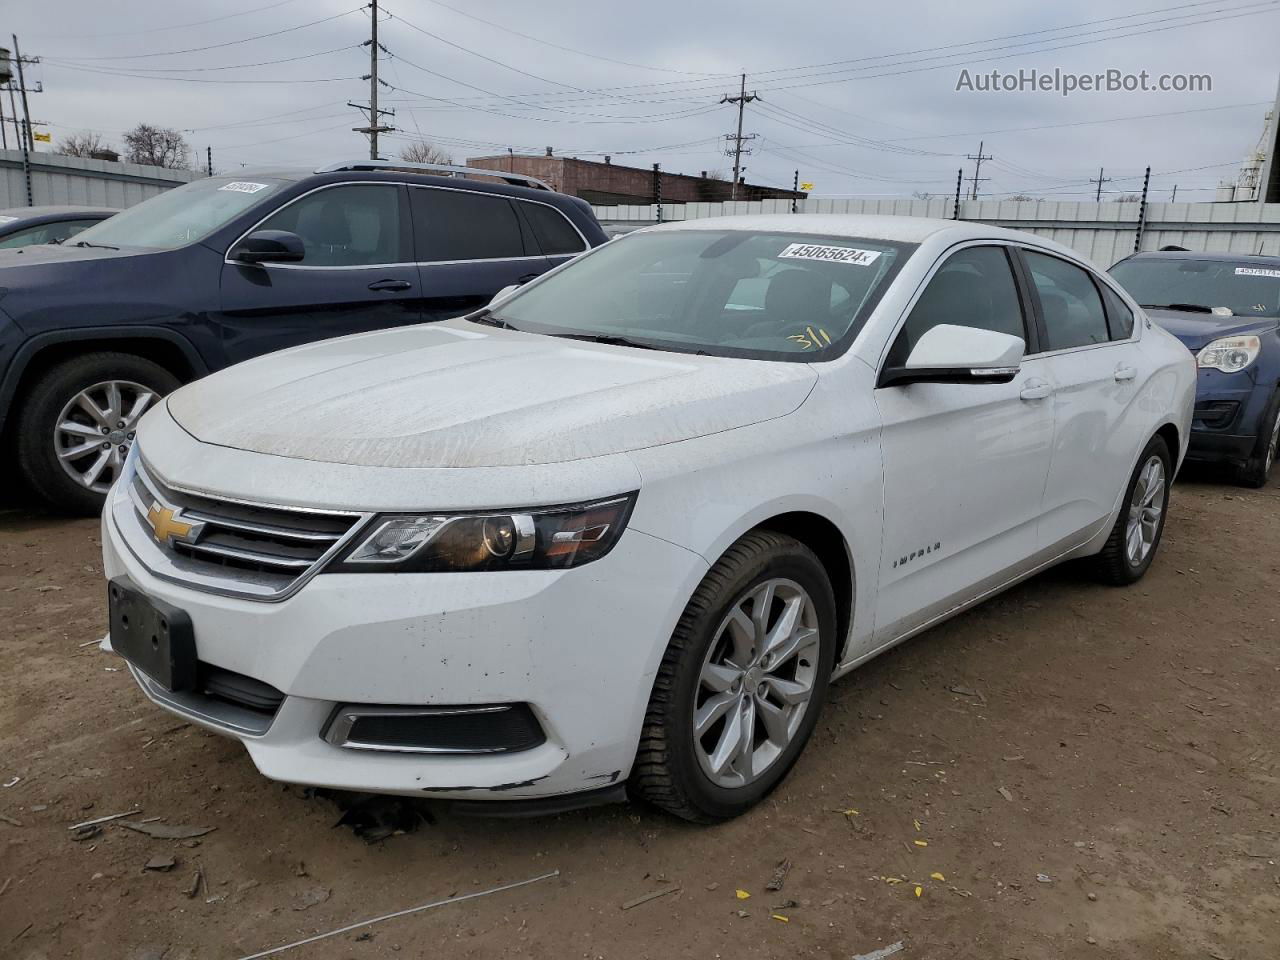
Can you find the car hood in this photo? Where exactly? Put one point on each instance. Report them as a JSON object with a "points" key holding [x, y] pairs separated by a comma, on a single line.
{"points": [[1196, 330], [458, 394]]}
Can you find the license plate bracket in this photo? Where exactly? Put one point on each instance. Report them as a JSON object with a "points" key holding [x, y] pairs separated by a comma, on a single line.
{"points": [[154, 636]]}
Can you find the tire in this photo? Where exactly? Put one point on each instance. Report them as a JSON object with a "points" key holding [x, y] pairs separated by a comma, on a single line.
{"points": [[1254, 471], [46, 452], [672, 770], [1116, 563]]}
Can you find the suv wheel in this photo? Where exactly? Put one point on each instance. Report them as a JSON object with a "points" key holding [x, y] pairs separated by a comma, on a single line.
{"points": [[1136, 535], [77, 423], [742, 682], [1255, 470]]}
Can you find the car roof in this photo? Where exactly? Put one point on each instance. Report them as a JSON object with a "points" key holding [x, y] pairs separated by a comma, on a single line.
{"points": [[55, 210], [900, 229], [1269, 260]]}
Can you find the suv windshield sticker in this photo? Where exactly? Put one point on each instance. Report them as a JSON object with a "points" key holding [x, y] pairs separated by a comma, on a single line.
{"points": [[244, 186], [814, 251], [1256, 272]]}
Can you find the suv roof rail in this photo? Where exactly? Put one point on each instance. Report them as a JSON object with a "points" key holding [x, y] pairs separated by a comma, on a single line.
{"points": [[515, 179]]}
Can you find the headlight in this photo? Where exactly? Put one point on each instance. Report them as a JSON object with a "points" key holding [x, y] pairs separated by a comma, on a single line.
{"points": [[535, 539], [1230, 354]]}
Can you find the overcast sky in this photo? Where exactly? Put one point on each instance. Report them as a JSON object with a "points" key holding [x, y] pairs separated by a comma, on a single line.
{"points": [[846, 93]]}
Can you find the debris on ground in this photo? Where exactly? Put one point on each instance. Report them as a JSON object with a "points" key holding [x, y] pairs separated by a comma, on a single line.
{"points": [[311, 897], [779, 917], [272, 951], [167, 831], [12, 783], [968, 692], [937, 876], [880, 954], [160, 864], [742, 895], [374, 818], [1004, 792], [645, 898], [193, 888], [106, 819], [9, 820], [1043, 878], [779, 876], [86, 833]]}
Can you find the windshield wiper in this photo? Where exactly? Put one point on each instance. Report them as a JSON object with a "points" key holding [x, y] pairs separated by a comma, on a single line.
{"points": [[99, 246], [1184, 307], [490, 320], [612, 339]]}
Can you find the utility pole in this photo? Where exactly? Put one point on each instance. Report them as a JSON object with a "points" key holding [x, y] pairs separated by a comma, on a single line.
{"points": [[375, 125], [742, 99], [1100, 181], [977, 169], [22, 86], [1173, 197]]}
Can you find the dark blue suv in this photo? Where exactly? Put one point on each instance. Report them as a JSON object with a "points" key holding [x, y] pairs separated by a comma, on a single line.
{"points": [[94, 331], [1226, 308]]}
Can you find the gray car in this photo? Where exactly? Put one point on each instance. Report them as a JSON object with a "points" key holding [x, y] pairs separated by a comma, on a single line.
{"points": [[26, 226]]}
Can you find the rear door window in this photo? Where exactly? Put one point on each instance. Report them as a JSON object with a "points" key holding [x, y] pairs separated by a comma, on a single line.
{"points": [[454, 225], [1069, 301]]}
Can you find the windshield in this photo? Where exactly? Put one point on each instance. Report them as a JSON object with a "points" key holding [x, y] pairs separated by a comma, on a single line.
{"points": [[1248, 290], [178, 217], [777, 296]]}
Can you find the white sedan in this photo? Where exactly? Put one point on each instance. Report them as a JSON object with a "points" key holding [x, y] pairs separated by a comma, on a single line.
{"points": [[618, 532]]}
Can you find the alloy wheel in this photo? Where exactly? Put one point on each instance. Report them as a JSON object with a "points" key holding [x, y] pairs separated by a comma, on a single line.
{"points": [[1272, 444], [96, 428], [756, 682], [1145, 509]]}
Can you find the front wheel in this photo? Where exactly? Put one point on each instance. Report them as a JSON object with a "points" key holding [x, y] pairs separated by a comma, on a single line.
{"points": [[1136, 535], [742, 682], [1257, 468], [77, 423]]}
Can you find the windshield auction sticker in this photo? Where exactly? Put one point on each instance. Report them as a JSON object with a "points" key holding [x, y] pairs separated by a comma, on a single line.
{"points": [[813, 251], [1256, 272], [244, 186]]}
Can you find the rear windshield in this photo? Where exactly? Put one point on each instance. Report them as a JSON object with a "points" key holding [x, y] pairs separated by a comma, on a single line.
{"points": [[1249, 290], [181, 216], [776, 296]]}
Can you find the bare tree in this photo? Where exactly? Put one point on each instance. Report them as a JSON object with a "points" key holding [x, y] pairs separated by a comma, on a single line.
{"points": [[1129, 198], [424, 151], [84, 144], [921, 195], [157, 147], [1020, 196]]}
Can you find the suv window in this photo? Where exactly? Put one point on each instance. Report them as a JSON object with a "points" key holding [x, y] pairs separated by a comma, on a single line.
{"points": [[974, 288], [461, 225], [1119, 316], [1073, 312], [556, 235], [347, 226]]}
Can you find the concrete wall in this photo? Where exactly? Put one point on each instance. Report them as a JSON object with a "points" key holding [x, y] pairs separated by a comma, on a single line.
{"points": [[57, 179], [1103, 232]]}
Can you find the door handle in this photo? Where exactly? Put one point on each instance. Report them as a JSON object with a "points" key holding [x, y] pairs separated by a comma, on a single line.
{"points": [[1035, 389], [390, 285], [1126, 372]]}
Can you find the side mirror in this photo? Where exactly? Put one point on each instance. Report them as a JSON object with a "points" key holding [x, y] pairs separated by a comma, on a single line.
{"points": [[269, 246], [952, 354], [504, 292]]}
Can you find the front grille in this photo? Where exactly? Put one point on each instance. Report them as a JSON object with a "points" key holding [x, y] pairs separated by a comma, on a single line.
{"points": [[496, 728], [270, 547]]}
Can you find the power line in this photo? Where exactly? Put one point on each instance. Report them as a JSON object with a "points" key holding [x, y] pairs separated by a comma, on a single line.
{"points": [[231, 66], [218, 46]]}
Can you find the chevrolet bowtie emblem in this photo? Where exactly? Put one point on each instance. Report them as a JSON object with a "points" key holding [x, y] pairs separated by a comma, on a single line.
{"points": [[166, 523]]}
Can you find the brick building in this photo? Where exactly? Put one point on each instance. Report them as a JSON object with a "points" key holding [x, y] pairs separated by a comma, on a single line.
{"points": [[609, 183]]}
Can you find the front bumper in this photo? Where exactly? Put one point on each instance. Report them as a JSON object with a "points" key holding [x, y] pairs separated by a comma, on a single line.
{"points": [[1229, 411], [580, 646]]}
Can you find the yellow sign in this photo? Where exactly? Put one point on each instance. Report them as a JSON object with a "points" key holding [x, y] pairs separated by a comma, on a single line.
{"points": [[165, 524], [42, 137], [806, 187]]}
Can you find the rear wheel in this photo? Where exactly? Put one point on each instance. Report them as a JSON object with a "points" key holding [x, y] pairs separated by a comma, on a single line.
{"points": [[1136, 535], [1255, 470], [77, 423], [742, 682]]}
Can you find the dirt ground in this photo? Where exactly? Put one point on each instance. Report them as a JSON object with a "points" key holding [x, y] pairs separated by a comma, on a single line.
{"points": [[1069, 771]]}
